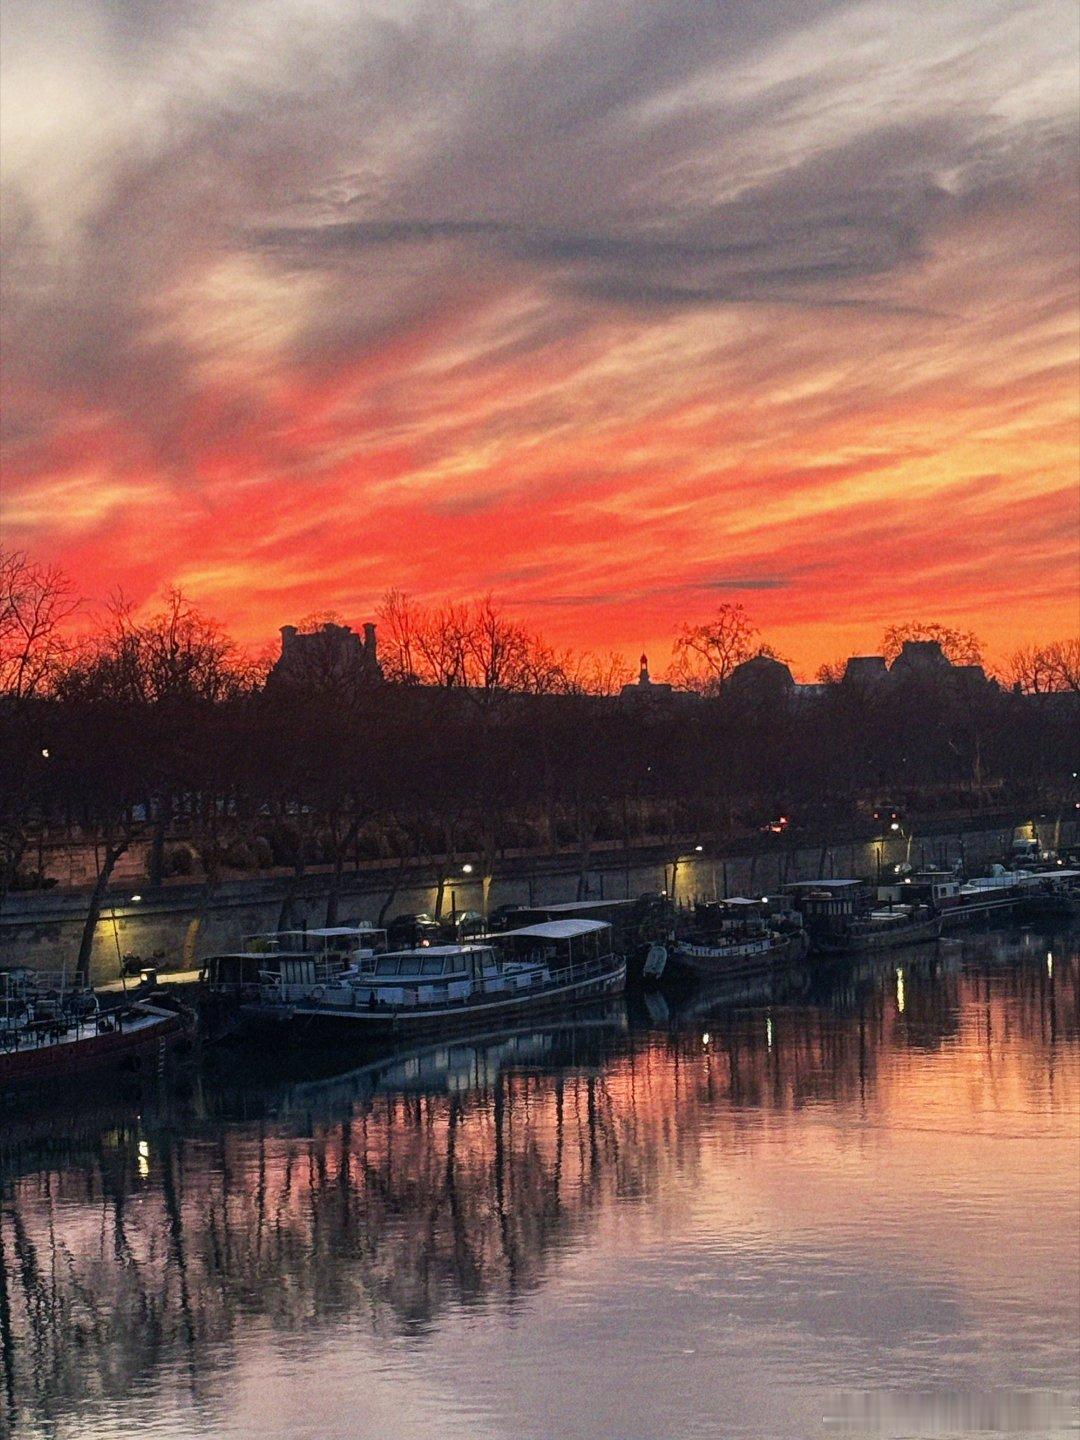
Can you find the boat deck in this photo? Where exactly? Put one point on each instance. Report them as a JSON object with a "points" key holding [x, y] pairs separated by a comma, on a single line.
{"points": [[44, 1035]]}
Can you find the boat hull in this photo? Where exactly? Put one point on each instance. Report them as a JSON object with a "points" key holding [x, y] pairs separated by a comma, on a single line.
{"points": [[117, 1050], [955, 917], [870, 943], [723, 963], [475, 1015]]}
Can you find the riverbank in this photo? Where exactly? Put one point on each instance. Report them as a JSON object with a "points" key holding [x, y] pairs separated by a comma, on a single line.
{"points": [[182, 922]]}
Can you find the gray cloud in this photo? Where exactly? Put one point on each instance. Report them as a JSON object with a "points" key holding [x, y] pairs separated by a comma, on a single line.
{"points": [[749, 582], [609, 155]]}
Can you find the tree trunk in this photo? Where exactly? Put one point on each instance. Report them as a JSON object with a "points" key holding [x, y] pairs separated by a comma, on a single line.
{"points": [[97, 897], [288, 900], [585, 837], [340, 851], [156, 864], [206, 894], [394, 888]]}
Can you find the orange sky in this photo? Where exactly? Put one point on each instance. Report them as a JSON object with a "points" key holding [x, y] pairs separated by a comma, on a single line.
{"points": [[617, 312]]}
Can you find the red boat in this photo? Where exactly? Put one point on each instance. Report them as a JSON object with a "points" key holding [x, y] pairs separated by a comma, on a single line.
{"points": [[129, 1040]]}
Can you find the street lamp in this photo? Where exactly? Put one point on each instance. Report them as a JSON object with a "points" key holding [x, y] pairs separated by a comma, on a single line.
{"points": [[466, 869]]}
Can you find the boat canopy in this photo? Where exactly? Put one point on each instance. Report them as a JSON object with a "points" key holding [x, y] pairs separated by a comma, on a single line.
{"points": [[575, 907], [428, 950], [825, 884], [556, 930], [330, 932], [337, 932]]}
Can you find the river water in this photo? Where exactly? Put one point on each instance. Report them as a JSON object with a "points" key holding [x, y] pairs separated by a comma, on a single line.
{"points": [[850, 1208]]}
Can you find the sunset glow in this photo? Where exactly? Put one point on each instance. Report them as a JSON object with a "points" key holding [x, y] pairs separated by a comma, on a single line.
{"points": [[616, 310]]}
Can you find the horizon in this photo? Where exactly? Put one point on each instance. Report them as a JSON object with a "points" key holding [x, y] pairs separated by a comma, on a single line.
{"points": [[85, 623]]}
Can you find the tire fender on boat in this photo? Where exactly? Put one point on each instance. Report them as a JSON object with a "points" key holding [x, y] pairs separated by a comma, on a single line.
{"points": [[318, 992]]}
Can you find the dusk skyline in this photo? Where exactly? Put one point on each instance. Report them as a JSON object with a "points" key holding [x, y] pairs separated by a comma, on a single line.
{"points": [[617, 311]]}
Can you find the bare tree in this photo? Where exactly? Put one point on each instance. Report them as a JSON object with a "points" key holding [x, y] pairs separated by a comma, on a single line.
{"points": [[35, 601], [1063, 659], [705, 655], [591, 674], [832, 672], [1041, 669], [399, 622], [442, 646], [497, 650]]}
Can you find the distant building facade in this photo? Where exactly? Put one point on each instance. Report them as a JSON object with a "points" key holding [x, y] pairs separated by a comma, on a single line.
{"points": [[918, 659], [329, 655], [645, 689]]}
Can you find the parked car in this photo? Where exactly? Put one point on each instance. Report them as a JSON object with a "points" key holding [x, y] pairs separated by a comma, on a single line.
{"points": [[462, 924], [504, 917], [132, 964], [406, 932]]}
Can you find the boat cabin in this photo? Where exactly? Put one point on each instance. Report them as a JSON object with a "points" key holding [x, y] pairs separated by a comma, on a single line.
{"points": [[736, 918], [530, 958], [270, 975], [620, 915], [341, 940], [828, 900], [1054, 882], [556, 944], [429, 976], [940, 888]]}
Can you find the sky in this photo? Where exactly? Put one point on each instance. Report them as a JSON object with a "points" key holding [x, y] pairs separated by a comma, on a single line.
{"points": [[618, 309]]}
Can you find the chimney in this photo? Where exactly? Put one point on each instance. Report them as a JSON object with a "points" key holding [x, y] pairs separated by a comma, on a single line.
{"points": [[288, 635], [369, 640]]}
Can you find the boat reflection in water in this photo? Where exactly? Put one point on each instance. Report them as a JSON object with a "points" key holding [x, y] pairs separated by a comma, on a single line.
{"points": [[721, 1219]]}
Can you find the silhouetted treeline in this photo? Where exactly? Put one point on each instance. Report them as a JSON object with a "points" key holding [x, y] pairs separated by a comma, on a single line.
{"points": [[162, 730]]}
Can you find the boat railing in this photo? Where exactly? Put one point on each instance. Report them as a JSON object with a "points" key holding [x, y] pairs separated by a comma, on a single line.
{"points": [[576, 972], [35, 1034], [747, 947]]}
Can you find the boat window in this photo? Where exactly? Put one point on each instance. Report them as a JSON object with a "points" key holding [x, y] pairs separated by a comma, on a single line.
{"points": [[387, 965], [432, 966]]}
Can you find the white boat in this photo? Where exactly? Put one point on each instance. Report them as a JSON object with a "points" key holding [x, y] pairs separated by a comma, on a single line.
{"points": [[441, 988]]}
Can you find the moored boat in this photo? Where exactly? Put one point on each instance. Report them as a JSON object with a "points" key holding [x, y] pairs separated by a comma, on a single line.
{"points": [[446, 988], [1052, 893], [734, 937], [125, 1039], [844, 917], [273, 972], [959, 902]]}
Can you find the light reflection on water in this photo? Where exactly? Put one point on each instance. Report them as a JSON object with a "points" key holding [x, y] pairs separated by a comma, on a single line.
{"points": [[868, 1196]]}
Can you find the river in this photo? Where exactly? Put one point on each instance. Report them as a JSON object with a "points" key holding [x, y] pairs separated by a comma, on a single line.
{"points": [[849, 1208]]}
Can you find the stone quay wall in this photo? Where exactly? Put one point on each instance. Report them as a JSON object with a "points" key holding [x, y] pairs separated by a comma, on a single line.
{"points": [[42, 929]]}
